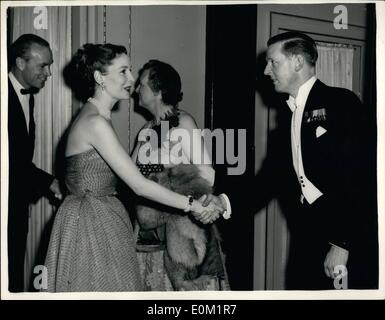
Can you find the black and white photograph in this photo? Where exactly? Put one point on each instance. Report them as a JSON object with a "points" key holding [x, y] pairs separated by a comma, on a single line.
{"points": [[192, 150]]}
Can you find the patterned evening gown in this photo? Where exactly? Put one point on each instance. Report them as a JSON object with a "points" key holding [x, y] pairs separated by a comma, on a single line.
{"points": [[92, 246]]}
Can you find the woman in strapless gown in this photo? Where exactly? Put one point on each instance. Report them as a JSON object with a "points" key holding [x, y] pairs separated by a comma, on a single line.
{"points": [[175, 253], [92, 246], [91, 243]]}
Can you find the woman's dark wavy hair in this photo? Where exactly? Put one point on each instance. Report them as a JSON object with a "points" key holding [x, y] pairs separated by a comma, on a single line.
{"points": [[164, 78], [79, 74], [297, 43]]}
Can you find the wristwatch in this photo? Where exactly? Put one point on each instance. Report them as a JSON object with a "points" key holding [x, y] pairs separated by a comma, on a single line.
{"points": [[189, 204]]}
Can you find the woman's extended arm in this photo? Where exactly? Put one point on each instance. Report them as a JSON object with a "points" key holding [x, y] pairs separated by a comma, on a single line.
{"points": [[104, 140]]}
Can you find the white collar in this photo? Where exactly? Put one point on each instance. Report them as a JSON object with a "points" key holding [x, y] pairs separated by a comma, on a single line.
{"points": [[303, 93], [15, 83]]}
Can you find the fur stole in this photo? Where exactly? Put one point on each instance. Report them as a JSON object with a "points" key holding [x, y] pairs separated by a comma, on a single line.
{"points": [[186, 238]]}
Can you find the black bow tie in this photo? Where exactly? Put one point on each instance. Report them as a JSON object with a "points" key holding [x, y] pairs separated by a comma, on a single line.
{"points": [[29, 91]]}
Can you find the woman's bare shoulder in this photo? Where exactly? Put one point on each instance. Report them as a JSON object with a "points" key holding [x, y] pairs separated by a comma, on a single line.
{"points": [[82, 131], [186, 120], [88, 123]]}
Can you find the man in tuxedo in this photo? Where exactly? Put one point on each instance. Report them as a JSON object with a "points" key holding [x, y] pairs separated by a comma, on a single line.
{"points": [[30, 59], [318, 168]]}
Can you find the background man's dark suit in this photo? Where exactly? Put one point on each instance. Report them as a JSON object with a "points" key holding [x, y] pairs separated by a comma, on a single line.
{"points": [[339, 164], [26, 184]]}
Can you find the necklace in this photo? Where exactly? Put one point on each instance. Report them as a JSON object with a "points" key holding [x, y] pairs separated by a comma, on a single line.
{"points": [[102, 111]]}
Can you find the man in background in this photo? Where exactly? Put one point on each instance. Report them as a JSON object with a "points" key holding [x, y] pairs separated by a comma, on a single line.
{"points": [[30, 59]]}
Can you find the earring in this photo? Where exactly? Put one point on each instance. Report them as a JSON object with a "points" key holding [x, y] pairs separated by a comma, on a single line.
{"points": [[102, 85]]}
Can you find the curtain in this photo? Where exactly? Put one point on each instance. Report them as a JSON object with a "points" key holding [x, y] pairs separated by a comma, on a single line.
{"points": [[335, 64], [53, 113]]}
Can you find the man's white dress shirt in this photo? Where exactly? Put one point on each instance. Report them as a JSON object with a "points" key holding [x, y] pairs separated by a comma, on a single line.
{"points": [[297, 105]]}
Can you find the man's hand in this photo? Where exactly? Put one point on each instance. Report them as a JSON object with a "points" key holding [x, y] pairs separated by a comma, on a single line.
{"points": [[207, 214], [335, 257], [208, 198], [55, 188]]}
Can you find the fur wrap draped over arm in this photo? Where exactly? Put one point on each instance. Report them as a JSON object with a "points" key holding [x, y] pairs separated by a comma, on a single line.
{"points": [[191, 249]]}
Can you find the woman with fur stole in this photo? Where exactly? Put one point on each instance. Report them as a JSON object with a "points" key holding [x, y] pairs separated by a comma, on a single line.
{"points": [[175, 252]]}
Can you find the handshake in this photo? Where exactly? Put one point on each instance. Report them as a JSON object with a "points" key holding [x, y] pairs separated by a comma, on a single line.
{"points": [[209, 208]]}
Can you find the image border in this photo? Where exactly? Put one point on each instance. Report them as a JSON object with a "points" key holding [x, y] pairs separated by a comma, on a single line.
{"points": [[207, 295]]}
